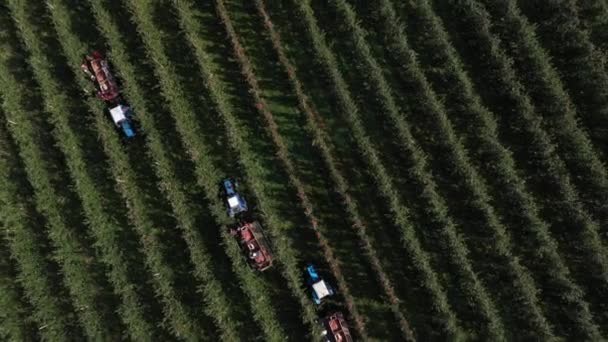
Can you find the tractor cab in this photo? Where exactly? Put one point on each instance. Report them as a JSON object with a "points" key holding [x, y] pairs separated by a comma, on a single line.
{"points": [[122, 118], [254, 244], [235, 203], [336, 329], [320, 288]]}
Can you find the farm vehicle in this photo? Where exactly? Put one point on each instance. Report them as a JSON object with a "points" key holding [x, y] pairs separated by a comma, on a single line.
{"points": [[334, 325], [319, 287], [235, 203], [97, 69], [335, 328], [254, 244], [249, 233]]}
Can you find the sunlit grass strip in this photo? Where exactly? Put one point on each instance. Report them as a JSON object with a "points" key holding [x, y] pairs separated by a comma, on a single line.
{"points": [[584, 78], [70, 252], [283, 154], [16, 316], [208, 175], [350, 111], [475, 184], [182, 320], [315, 127], [50, 313], [217, 305], [484, 134]]}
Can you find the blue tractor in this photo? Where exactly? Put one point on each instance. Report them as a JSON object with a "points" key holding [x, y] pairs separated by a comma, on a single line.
{"points": [[122, 118], [235, 203], [96, 67], [320, 288]]}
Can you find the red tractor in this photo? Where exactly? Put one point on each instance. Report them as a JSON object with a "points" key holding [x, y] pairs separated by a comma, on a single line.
{"points": [[252, 240], [336, 329], [98, 71]]}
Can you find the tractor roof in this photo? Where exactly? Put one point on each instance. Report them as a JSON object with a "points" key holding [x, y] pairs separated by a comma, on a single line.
{"points": [[119, 113], [233, 201], [321, 289]]}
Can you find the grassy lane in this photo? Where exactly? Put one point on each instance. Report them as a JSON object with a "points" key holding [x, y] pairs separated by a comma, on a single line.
{"points": [[226, 76], [51, 312], [582, 66], [434, 208], [332, 224], [16, 322], [217, 305], [520, 128], [494, 262], [283, 154], [322, 141], [532, 238], [106, 227], [256, 172], [208, 174], [82, 275], [587, 85], [385, 182], [385, 236]]}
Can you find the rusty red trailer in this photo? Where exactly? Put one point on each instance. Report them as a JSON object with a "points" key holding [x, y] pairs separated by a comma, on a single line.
{"points": [[98, 70], [254, 244], [336, 328]]}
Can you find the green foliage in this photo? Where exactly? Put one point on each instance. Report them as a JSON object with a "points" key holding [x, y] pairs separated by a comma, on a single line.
{"points": [[104, 226], [454, 165], [254, 170], [217, 305], [16, 318], [536, 152], [316, 129], [457, 159], [585, 78], [501, 252], [50, 312], [208, 175], [581, 65], [400, 212], [533, 239], [81, 279], [593, 16], [182, 320]]}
